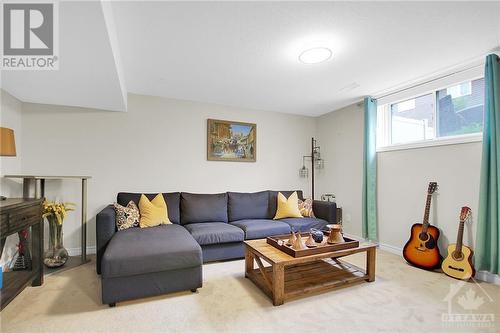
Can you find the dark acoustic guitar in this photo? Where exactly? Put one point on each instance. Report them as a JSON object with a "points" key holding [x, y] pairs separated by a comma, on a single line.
{"points": [[458, 262], [422, 250]]}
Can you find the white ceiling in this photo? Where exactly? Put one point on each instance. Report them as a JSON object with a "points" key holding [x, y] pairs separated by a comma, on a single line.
{"points": [[87, 75], [245, 54]]}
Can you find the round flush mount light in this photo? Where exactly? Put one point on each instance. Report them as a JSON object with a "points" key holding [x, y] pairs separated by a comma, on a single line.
{"points": [[315, 55]]}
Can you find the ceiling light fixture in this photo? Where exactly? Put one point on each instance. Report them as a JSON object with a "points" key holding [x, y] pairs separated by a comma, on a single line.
{"points": [[315, 55]]}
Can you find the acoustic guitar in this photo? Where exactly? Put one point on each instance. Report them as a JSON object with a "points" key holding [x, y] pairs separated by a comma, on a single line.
{"points": [[422, 250], [458, 262]]}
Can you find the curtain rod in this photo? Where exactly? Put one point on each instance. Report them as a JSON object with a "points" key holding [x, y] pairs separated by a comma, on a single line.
{"points": [[429, 81]]}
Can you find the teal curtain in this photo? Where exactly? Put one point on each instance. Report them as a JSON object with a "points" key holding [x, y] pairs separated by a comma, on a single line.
{"points": [[370, 171], [488, 221]]}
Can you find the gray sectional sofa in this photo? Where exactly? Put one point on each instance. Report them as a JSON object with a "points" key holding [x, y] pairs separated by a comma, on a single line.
{"points": [[137, 262]]}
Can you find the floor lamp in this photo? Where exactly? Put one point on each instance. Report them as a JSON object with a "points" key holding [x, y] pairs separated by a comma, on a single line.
{"points": [[316, 163]]}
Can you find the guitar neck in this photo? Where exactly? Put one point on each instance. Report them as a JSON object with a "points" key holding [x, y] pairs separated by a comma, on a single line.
{"points": [[425, 222], [460, 236]]}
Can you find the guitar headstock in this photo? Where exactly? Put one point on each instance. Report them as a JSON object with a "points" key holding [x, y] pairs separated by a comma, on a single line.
{"points": [[432, 187], [465, 214]]}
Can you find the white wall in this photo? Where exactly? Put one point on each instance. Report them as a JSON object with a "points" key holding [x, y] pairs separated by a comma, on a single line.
{"points": [[158, 145], [403, 177], [340, 136], [10, 117]]}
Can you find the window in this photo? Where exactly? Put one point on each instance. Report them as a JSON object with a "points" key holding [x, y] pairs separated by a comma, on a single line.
{"points": [[413, 120], [460, 109], [452, 112]]}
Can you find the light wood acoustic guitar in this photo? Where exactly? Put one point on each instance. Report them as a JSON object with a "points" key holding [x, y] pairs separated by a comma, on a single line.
{"points": [[458, 262], [422, 250]]}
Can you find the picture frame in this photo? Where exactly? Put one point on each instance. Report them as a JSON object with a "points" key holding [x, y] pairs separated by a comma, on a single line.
{"points": [[232, 141]]}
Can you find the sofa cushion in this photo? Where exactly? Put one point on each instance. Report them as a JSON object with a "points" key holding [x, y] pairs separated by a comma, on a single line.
{"points": [[207, 233], [305, 223], [140, 251], [273, 200], [242, 206], [199, 208], [172, 200], [255, 229]]}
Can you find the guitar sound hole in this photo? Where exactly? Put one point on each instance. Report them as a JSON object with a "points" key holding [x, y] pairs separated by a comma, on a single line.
{"points": [[458, 255], [423, 236]]}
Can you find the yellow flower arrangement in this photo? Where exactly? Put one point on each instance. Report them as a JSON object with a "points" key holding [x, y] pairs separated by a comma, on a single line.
{"points": [[57, 210]]}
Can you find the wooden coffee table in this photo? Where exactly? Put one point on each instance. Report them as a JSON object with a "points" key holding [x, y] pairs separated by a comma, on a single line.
{"points": [[288, 277]]}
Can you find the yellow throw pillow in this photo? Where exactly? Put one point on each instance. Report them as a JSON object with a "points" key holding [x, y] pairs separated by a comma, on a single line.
{"points": [[287, 207], [153, 212]]}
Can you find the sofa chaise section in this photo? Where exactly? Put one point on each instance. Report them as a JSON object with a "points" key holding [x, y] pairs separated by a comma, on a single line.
{"points": [[137, 262], [138, 251], [106, 224]]}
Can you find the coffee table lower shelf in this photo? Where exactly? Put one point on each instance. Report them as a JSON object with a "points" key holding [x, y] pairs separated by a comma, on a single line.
{"points": [[301, 280]]}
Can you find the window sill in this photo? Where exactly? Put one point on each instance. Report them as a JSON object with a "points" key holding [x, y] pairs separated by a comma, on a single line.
{"points": [[452, 140]]}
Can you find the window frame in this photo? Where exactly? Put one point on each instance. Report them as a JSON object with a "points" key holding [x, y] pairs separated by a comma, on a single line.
{"points": [[387, 144]]}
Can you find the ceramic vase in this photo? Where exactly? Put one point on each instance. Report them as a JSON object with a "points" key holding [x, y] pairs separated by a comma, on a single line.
{"points": [[310, 242], [291, 240], [335, 234], [299, 244]]}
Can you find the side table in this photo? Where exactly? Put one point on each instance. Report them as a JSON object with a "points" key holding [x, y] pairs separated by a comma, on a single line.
{"points": [[28, 180]]}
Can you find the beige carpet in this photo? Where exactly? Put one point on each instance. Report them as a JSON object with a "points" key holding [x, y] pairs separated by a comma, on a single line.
{"points": [[402, 298]]}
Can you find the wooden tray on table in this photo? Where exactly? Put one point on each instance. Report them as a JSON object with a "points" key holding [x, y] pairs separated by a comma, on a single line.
{"points": [[279, 242]]}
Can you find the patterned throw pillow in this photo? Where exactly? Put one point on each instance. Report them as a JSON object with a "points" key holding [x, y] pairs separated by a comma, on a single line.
{"points": [[306, 208], [127, 217]]}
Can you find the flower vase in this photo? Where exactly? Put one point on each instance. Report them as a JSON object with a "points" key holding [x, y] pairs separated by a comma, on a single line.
{"points": [[56, 255]]}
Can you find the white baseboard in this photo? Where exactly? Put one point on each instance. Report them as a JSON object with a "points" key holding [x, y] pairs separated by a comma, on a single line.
{"points": [[76, 251], [488, 277], [353, 236], [385, 247], [382, 246], [391, 249]]}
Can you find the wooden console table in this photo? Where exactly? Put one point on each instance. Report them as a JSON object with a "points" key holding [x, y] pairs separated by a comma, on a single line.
{"points": [[16, 215], [28, 180]]}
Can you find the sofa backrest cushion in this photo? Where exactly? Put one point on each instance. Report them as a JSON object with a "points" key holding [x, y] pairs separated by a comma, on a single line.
{"points": [[172, 200], [243, 206], [198, 208], [273, 200]]}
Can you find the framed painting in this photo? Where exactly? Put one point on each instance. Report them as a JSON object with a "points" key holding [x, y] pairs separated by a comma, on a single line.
{"points": [[231, 141]]}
